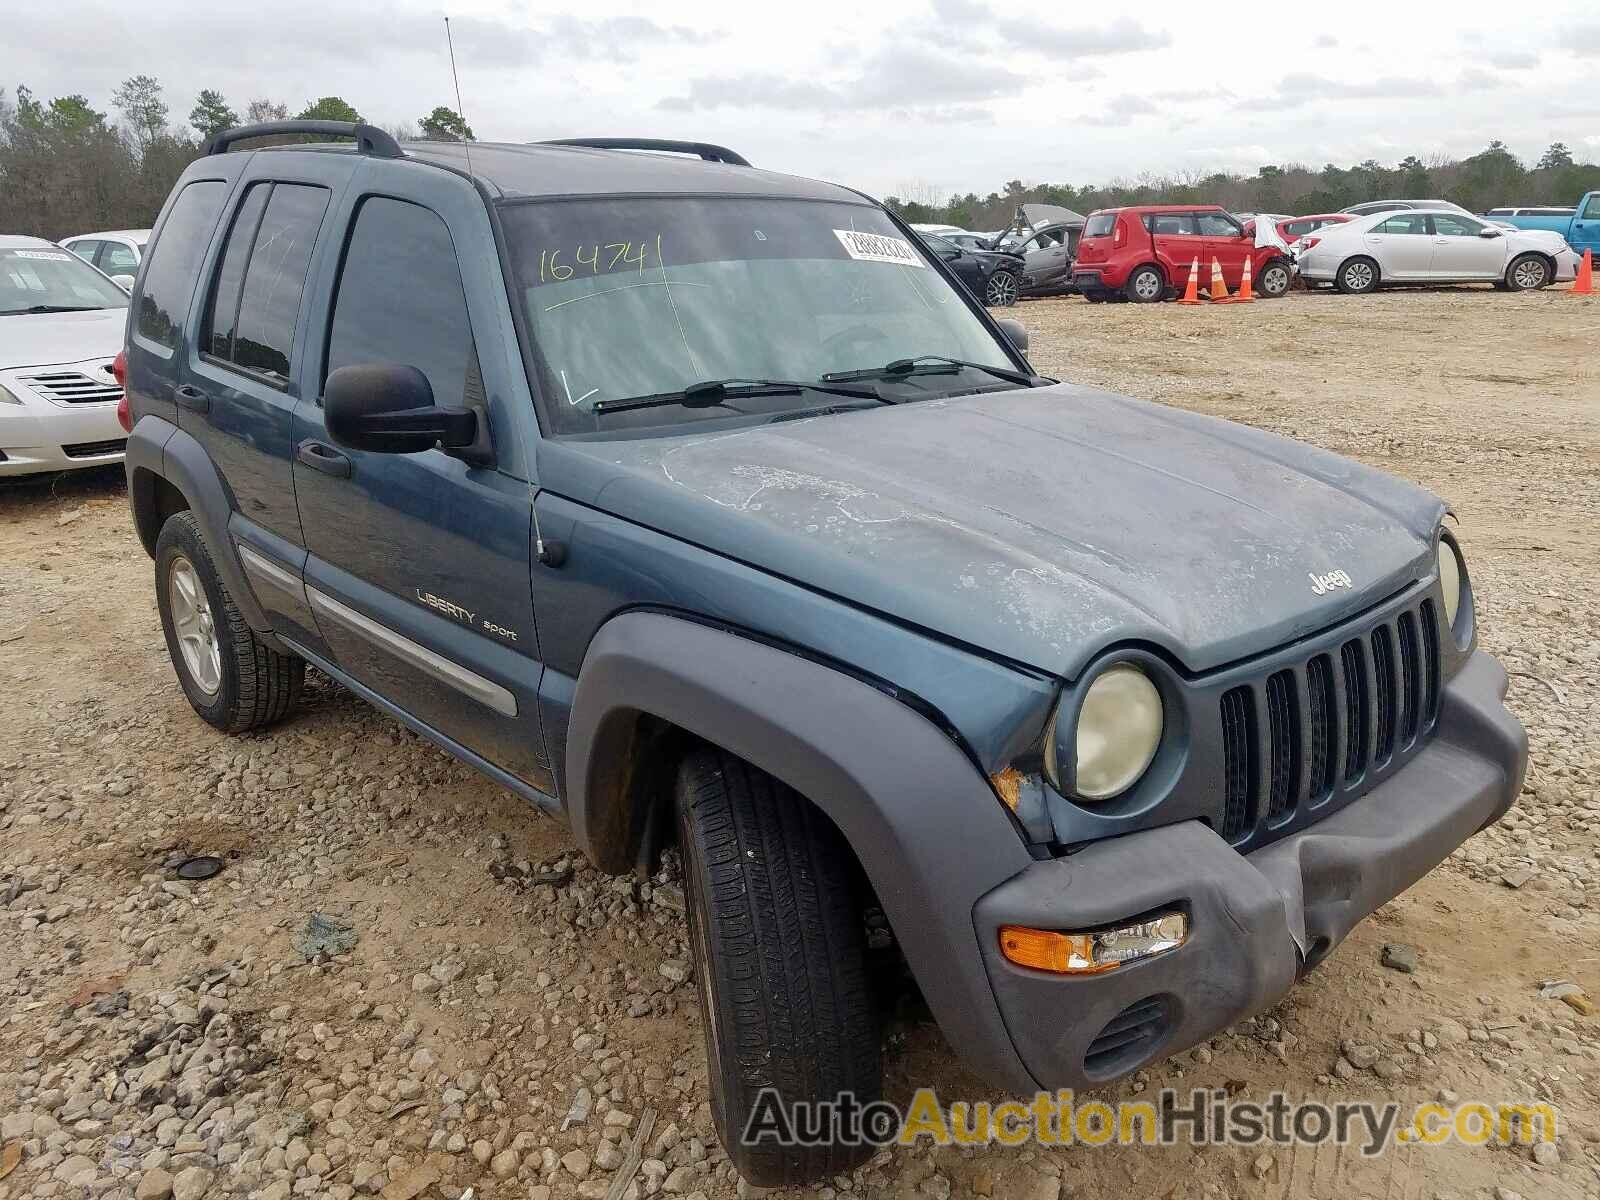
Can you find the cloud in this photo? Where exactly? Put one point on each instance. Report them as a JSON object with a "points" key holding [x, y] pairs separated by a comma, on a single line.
{"points": [[1512, 60], [1300, 88], [1325, 41], [1478, 79], [1121, 111], [1122, 36], [1583, 39], [903, 78], [622, 38]]}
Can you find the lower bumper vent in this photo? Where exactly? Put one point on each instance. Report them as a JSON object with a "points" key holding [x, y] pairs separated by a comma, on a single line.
{"points": [[1128, 1038]]}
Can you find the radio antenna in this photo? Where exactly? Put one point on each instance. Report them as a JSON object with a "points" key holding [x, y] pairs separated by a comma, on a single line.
{"points": [[466, 130]]}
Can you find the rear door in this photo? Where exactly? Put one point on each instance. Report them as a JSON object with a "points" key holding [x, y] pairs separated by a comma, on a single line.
{"points": [[1226, 242], [1178, 245], [1402, 245], [1460, 251], [419, 564]]}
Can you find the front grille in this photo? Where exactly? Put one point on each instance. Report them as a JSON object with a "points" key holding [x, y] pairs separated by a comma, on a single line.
{"points": [[95, 449], [1308, 729], [1128, 1038], [72, 387]]}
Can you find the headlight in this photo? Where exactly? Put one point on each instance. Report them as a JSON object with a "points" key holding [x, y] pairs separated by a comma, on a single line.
{"points": [[1449, 581], [1118, 732], [8, 397]]}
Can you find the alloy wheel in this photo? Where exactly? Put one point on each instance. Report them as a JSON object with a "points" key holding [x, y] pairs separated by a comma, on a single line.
{"points": [[1358, 276], [1002, 289], [1147, 284], [195, 626], [1529, 274], [1275, 281]]}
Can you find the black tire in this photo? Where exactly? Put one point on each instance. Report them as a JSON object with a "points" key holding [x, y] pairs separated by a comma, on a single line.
{"points": [[1357, 276], [1095, 297], [1529, 273], [255, 685], [1001, 290], [1276, 278], [779, 954], [1146, 285]]}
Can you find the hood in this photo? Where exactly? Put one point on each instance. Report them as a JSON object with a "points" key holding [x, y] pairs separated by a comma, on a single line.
{"points": [[1009, 257], [45, 339], [1535, 239], [1039, 525]]}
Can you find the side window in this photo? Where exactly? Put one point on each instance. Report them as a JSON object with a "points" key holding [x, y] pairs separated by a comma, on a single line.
{"points": [[408, 307], [1591, 210], [1404, 224], [1218, 226], [85, 249], [255, 300], [117, 259], [1173, 224], [1455, 226], [169, 276], [1296, 229], [222, 309]]}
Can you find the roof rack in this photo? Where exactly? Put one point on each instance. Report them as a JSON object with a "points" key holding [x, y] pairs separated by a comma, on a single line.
{"points": [[370, 140], [706, 150]]}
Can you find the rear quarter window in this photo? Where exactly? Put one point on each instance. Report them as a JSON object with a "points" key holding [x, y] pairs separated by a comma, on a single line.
{"points": [[174, 260], [1100, 225]]}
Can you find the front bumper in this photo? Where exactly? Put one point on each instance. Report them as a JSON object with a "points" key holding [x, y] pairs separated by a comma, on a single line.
{"points": [[41, 435], [1256, 922], [1567, 265]]}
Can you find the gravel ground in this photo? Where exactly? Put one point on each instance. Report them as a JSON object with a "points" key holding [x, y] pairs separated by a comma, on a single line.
{"points": [[488, 1012]]}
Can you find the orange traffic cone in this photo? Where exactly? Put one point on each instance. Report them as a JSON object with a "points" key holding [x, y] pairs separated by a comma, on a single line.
{"points": [[1245, 295], [1584, 284], [1218, 291], [1192, 288]]}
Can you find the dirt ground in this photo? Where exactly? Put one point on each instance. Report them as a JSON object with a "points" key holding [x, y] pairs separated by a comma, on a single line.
{"points": [[160, 1035]]}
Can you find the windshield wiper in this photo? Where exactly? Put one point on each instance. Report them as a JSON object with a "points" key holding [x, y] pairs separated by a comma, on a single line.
{"points": [[50, 308], [930, 364], [713, 392]]}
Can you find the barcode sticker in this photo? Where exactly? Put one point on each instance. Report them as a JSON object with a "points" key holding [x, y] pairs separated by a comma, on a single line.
{"points": [[878, 247], [47, 255]]}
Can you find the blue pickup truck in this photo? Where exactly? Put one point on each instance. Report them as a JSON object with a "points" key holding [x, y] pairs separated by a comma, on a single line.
{"points": [[1579, 225]]}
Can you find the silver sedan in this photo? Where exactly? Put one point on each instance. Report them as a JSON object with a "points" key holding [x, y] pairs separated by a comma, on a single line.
{"points": [[1432, 246]]}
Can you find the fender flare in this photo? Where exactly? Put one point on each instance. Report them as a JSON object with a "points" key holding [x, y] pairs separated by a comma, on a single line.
{"points": [[158, 448], [924, 824]]}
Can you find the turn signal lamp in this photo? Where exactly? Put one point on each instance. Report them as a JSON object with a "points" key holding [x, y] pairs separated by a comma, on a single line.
{"points": [[1092, 953]]}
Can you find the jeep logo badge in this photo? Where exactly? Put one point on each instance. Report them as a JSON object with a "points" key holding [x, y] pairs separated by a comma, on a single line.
{"points": [[1323, 584]]}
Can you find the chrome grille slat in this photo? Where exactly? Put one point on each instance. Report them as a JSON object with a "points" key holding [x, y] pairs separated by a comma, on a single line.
{"points": [[71, 387]]}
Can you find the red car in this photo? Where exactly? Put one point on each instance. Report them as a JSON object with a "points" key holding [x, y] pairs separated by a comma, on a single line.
{"points": [[1144, 252]]}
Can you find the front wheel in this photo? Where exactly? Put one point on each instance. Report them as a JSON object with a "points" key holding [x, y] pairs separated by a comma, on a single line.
{"points": [[1357, 277], [233, 679], [1001, 290], [1528, 273], [1145, 286], [1275, 279], [780, 959]]}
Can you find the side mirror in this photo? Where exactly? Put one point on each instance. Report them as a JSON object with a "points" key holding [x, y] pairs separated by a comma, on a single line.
{"points": [[950, 255], [1491, 231], [1016, 332], [388, 408], [125, 282]]}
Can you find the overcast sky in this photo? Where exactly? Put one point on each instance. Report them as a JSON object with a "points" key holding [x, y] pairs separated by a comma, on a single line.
{"points": [[899, 96]]}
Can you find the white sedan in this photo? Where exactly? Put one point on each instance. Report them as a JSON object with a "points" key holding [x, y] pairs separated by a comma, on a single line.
{"points": [[1432, 246], [116, 252], [61, 327]]}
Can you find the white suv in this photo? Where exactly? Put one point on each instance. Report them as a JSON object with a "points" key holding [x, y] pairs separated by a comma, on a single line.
{"points": [[116, 252], [61, 327]]}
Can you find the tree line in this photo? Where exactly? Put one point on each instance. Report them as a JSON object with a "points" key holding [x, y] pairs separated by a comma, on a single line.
{"points": [[1493, 178], [67, 167]]}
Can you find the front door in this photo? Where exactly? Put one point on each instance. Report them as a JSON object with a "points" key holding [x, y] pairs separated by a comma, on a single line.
{"points": [[1403, 246], [1461, 251], [1179, 245], [1048, 262], [418, 572], [1586, 226], [1226, 242]]}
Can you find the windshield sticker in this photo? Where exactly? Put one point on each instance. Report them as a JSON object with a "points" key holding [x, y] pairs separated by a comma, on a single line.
{"points": [[877, 247], [47, 255]]}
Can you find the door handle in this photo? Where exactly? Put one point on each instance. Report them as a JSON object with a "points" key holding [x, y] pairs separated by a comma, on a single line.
{"points": [[192, 398], [320, 456]]}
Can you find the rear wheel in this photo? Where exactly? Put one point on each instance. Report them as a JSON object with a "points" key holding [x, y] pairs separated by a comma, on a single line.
{"points": [[779, 955], [1276, 277], [1528, 273], [1001, 290], [1145, 286], [1095, 297], [232, 678], [1357, 276]]}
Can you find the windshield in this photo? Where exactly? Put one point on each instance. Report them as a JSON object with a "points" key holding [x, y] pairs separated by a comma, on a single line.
{"points": [[45, 280], [631, 296]]}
